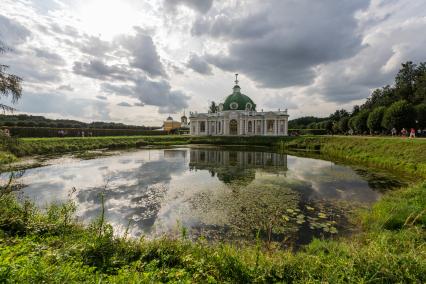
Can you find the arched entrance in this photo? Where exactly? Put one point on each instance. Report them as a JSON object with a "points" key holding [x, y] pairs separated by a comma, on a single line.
{"points": [[233, 127]]}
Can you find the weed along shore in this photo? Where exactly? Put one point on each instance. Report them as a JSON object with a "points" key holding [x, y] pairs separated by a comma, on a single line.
{"points": [[49, 244]]}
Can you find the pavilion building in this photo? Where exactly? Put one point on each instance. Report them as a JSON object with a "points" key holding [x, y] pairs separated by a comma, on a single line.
{"points": [[237, 115]]}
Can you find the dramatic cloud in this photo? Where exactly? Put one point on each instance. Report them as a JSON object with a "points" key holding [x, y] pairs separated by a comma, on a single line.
{"points": [[12, 33], [199, 65], [299, 55], [284, 41], [144, 54], [157, 93], [99, 70]]}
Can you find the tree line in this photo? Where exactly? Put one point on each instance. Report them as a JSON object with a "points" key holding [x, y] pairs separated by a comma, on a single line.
{"points": [[23, 120], [402, 105]]}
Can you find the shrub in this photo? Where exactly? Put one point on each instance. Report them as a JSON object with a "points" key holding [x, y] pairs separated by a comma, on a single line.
{"points": [[360, 121], [400, 114], [374, 121], [344, 124], [421, 115]]}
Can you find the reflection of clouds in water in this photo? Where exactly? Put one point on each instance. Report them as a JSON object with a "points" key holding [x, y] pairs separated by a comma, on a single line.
{"points": [[155, 188], [329, 181], [138, 200]]}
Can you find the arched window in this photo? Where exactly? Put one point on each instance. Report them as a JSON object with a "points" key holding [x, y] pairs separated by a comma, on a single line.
{"points": [[233, 127], [248, 106]]}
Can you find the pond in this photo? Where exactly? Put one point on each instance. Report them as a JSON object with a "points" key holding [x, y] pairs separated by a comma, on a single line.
{"points": [[218, 193]]}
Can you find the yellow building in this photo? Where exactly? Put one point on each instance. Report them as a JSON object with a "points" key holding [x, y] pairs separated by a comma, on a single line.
{"points": [[170, 125]]}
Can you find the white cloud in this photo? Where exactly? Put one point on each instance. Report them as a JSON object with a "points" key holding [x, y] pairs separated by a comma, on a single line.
{"points": [[291, 54]]}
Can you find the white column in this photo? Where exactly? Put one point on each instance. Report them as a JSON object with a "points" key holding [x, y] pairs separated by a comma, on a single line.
{"points": [[264, 126], [286, 127], [247, 122]]}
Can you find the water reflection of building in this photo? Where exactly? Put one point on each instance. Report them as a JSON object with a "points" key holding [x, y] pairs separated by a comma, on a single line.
{"points": [[230, 166]]}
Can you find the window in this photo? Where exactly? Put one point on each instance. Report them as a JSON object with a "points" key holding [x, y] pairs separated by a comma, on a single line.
{"points": [[250, 127], [218, 127], [202, 126], [233, 105], [248, 106], [281, 126], [233, 127], [259, 126], [270, 125]]}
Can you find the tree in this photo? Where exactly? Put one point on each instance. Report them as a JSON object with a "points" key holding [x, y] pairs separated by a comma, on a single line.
{"points": [[355, 110], [421, 115], [360, 121], [328, 125], [404, 81], [351, 123], [344, 124], [10, 85], [400, 114], [420, 83], [374, 121], [213, 108], [338, 114]]}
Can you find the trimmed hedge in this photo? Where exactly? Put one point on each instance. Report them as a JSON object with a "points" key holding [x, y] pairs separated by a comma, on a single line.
{"points": [[308, 131], [39, 132]]}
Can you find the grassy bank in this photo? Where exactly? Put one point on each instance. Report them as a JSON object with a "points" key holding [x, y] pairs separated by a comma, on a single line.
{"points": [[404, 155]]}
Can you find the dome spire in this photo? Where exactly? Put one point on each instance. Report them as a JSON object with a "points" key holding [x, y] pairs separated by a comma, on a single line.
{"points": [[236, 79]]}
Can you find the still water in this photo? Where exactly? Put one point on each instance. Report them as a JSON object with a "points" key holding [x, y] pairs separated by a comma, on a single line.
{"points": [[217, 193]]}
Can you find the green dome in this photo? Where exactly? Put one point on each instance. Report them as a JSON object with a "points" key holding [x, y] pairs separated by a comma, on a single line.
{"points": [[238, 101]]}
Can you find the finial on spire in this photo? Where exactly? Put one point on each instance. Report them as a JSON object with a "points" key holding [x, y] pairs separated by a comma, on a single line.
{"points": [[236, 79]]}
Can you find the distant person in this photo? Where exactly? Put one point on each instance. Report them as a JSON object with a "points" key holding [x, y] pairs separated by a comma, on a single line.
{"points": [[412, 133], [419, 132], [82, 133], [404, 132], [393, 131], [351, 131]]}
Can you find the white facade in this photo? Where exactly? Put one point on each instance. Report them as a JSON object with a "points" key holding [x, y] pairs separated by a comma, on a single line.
{"points": [[239, 123]]}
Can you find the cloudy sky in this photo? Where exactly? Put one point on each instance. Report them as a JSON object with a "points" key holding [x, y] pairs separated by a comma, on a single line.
{"points": [[136, 61]]}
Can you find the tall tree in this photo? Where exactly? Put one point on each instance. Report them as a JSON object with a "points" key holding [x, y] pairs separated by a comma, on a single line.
{"points": [[360, 121], [400, 114], [10, 85], [374, 121], [404, 81]]}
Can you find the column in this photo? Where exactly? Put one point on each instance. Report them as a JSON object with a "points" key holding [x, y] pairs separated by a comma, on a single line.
{"points": [[264, 126], [247, 122], [286, 127], [276, 127]]}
